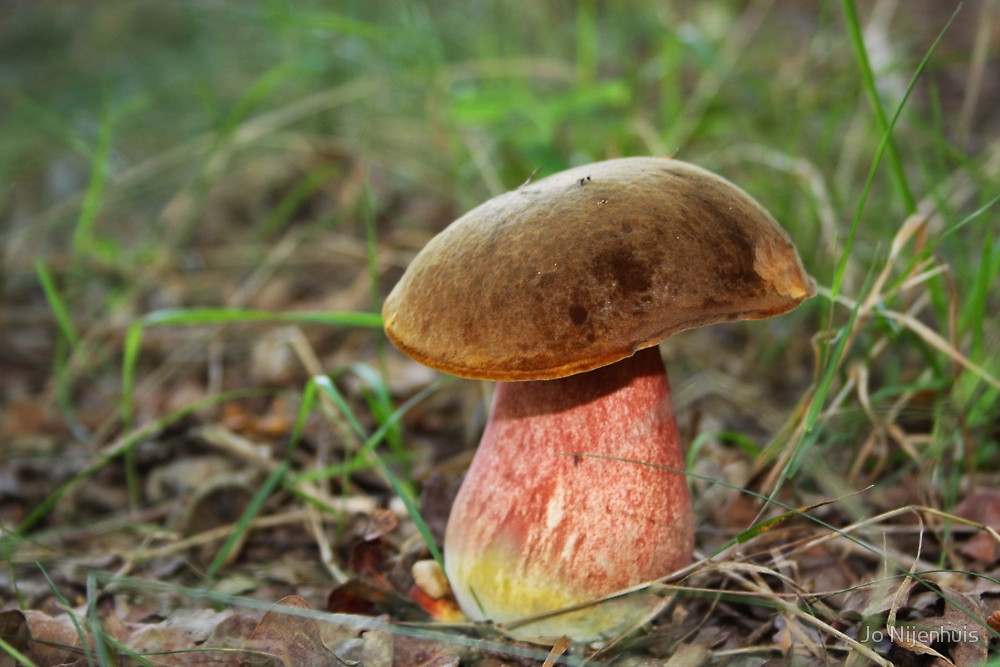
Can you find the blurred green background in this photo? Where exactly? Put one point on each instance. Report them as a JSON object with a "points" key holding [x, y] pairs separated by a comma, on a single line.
{"points": [[458, 101]]}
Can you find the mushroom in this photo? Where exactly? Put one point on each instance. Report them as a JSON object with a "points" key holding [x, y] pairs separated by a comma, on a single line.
{"points": [[561, 291]]}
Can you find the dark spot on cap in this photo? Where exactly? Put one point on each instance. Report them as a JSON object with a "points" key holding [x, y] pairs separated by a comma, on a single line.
{"points": [[621, 266], [578, 314]]}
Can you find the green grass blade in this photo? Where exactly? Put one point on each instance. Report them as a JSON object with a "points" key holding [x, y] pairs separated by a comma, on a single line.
{"points": [[306, 405], [16, 655], [56, 303], [404, 490], [293, 201], [976, 308], [371, 246], [199, 316], [43, 121], [83, 235], [367, 450], [124, 651], [326, 385], [965, 221], [742, 441], [412, 505], [328, 388], [830, 363], [885, 144], [243, 524], [256, 93], [58, 594], [379, 399], [130, 358], [586, 42], [97, 634], [66, 345], [352, 465], [871, 88], [830, 368]]}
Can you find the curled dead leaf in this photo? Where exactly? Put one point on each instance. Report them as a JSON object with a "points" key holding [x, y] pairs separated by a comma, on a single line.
{"points": [[382, 523], [292, 639]]}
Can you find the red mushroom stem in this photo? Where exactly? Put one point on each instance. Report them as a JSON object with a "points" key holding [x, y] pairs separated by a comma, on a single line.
{"points": [[559, 507]]}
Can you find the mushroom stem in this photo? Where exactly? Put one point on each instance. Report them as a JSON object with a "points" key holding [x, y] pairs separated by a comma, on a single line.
{"points": [[576, 492]]}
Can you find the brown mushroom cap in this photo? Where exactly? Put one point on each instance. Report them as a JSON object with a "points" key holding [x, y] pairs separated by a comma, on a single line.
{"points": [[584, 267]]}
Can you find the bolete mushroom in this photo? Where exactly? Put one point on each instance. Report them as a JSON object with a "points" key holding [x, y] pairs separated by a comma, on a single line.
{"points": [[561, 290]]}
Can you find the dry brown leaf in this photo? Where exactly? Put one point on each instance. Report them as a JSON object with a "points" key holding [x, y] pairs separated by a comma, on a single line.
{"points": [[292, 639], [377, 649], [232, 631], [383, 522], [275, 422], [54, 640], [368, 562], [355, 597], [173, 638], [689, 655], [960, 627], [412, 652], [14, 629], [30, 418], [981, 547], [736, 512], [982, 507]]}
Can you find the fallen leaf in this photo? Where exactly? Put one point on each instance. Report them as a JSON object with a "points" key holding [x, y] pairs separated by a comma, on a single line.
{"points": [[377, 649], [292, 639], [981, 507], [382, 523], [412, 652], [689, 655], [14, 629], [368, 562], [54, 640], [360, 597], [959, 628], [354, 597]]}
